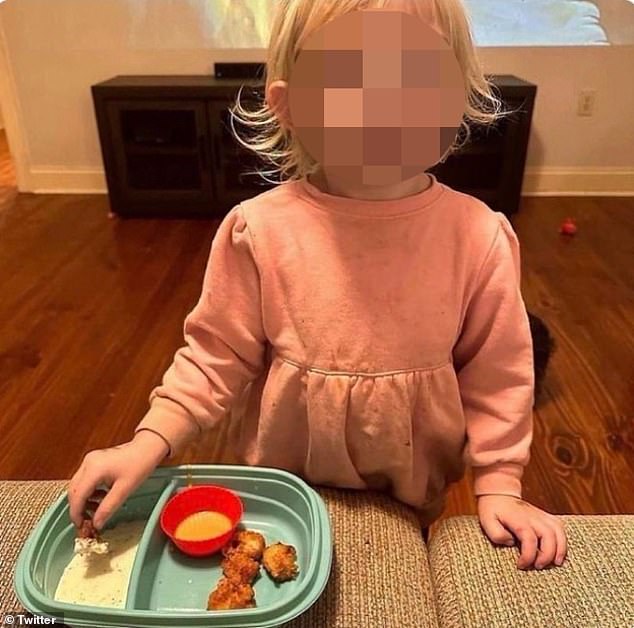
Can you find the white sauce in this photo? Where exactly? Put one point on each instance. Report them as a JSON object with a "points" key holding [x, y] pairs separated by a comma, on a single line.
{"points": [[91, 546], [102, 579]]}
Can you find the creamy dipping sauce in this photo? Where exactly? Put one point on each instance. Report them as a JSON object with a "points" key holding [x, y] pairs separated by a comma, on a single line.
{"points": [[103, 579], [203, 525]]}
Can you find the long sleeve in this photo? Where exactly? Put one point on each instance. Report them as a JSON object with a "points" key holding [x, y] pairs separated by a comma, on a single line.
{"points": [[224, 342], [494, 363]]}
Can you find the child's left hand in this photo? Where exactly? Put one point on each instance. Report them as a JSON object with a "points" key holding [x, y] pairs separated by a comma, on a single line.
{"points": [[541, 535]]}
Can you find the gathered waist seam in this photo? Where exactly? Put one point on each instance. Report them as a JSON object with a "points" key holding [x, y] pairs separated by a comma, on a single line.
{"points": [[314, 369]]}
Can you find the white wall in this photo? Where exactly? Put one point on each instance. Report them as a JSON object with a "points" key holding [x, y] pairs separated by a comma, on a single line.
{"points": [[56, 54]]}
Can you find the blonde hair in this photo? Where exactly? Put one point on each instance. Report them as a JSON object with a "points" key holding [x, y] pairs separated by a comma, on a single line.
{"points": [[294, 22]]}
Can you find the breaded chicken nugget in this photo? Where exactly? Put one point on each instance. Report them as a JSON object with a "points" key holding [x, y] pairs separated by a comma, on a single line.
{"points": [[280, 561], [230, 595], [251, 543], [239, 567], [247, 541], [87, 530]]}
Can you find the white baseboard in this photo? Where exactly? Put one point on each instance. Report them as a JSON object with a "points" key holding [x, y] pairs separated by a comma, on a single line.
{"points": [[537, 181], [578, 182], [59, 180]]}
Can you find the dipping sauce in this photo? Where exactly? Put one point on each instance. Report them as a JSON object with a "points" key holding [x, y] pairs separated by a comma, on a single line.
{"points": [[103, 579], [202, 526]]}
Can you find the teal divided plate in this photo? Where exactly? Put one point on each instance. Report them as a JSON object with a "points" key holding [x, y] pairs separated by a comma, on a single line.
{"points": [[168, 588]]}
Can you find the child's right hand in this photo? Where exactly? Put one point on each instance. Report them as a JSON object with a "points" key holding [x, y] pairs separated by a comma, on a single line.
{"points": [[122, 468]]}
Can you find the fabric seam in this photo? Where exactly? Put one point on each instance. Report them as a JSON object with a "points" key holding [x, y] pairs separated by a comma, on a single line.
{"points": [[256, 263], [314, 369], [303, 195]]}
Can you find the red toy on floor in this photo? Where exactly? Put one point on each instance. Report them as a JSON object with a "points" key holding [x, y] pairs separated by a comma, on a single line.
{"points": [[568, 227]]}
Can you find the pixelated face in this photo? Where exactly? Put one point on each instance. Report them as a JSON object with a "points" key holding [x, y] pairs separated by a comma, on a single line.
{"points": [[376, 97]]}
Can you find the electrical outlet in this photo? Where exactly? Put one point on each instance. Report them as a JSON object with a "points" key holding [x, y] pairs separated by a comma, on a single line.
{"points": [[587, 100]]}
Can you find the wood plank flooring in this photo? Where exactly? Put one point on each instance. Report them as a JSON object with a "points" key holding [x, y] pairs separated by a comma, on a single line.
{"points": [[91, 311]]}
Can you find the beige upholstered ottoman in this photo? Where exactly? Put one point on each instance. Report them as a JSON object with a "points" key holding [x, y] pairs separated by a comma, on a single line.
{"points": [[380, 576], [479, 585]]}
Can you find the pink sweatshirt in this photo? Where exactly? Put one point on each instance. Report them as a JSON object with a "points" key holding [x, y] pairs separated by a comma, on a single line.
{"points": [[361, 344]]}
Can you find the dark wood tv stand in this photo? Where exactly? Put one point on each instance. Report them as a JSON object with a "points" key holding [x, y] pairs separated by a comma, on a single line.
{"points": [[168, 150]]}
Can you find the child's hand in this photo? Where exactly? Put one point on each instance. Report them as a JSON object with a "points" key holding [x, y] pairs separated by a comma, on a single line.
{"points": [[541, 535], [122, 468]]}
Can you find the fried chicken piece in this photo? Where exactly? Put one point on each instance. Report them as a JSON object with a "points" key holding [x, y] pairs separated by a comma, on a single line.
{"points": [[247, 541], [230, 595], [251, 543], [87, 530], [240, 567], [280, 561], [88, 540]]}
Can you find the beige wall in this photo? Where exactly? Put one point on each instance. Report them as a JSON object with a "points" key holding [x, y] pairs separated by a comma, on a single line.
{"points": [[560, 137], [55, 56], [568, 153]]}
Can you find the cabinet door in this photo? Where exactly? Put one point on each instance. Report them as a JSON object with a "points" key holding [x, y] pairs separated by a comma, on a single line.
{"points": [[161, 157], [491, 166], [476, 168], [516, 151], [235, 168]]}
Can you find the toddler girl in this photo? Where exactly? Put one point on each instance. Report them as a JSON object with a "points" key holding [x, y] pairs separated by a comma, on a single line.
{"points": [[362, 320]]}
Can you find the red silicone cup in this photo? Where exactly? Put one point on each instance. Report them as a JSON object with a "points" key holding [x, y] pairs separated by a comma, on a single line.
{"points": [[196, 499]]}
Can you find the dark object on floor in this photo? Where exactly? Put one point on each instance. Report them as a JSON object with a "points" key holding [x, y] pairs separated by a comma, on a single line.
{"points": [[543, 346]]}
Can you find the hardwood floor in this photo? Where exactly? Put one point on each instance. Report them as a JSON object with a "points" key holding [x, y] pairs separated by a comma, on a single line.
{"points": [[91, 311], [583, 459]]}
